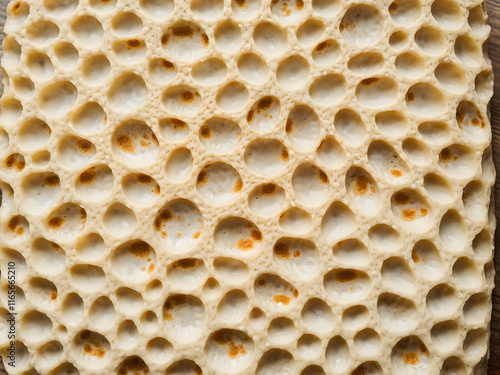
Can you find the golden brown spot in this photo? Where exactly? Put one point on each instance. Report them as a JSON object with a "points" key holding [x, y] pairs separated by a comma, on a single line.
{"points": [[284, 154], [250, 115], [423, 348], [16, 7], [415, 257], [143, 178], [299, 5], [204, 40], [205, 132], [296, 254], [345, 276], [245, 244], [396, 173], [268, 189], [53, 296], [475, 122], [265, 103], [238, 185], [256, 235], [88, 177], [234, 350], [323, 177], [281, 298], [96, 351], [262, 282], [423, 212], [282, 250], [167, 65], [202, 178], [151, 268], [394, 6], [369, 81], [372, 189], [409, 214], [134, 44], [197, 370], [140, 250], [401, 198], [285, 10], [341, 27], [17, 161], [126, 143], [182, 31], [295, 293], [196, 235], [289, 126], [445, 154], [241, 3], [51, 180], [84, 146], [122, 371], [411, 358], [19, 231], [85, 334], [13, 223], [56, 222], [186, 263], [361, 186], [165, 38], [321, 47], [410, 96], [187, 97], [168, 316]]}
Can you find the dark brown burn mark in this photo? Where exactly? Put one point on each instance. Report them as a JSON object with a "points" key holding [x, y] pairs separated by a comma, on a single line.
{"points": [[345, 276], [140, 250], [268, 189], [321, 47], [394, 6], [205, 132], [289, 126], [282, 250], [369, 81], [265, 103], [410, 96], [84, 146], [187, 97], [125, 143], [202, 178], [401, 199], [445, 154], [134, 44], [51, 180], [182, 31], [88, 177], [144, 179]]}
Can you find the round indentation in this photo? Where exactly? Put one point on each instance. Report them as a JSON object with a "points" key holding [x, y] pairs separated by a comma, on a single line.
{"points": [[75, 152], [309, 347], [102, 313], [126, 23], [317, 316], [227, 36], [127, 335], [149, 322], [231, 270], [427, 260], [47, 257], [482, 245], [361, 25], [467, 274], [18, 12], [377, 92], [453, 366], [41, 191], [363, 190], [331, 153], [209, 71], [179, 224], [298, 257], [50, 353], [398, 277], [476, 309], [475, 344], [88, 278], [366, 63], [186, 41], [24, 87], [233, 308], [67, 56], [309, 32], [435, 132], [458, 161], [232, 97], [187, 274], [41, 292], [184, 366], [179, 165], [338, 222], [14, 163], [483, 85], [430, 41], [182, 100], [367, 343], [95, 184], [157, 9], [42, 32], [445, 336], [392, 123], [159, 350], [293, 72], [287, 11], [119, 220], [281, 331], [410, 65], [89, 119], [326, 52], [347, 285], [264, 114], [356, 317], [219, 184], [60, 8], [237, 235], [140, 189], [33, 134], [396, 313], [72, 309], [40, 159], [425, 100], [95, 70], [11, 110], [351, 252], [36, 326], [57, 99], [130, 51], [90, 247], [438, 188], [416, 151], [451, 77], [220, 135], [398, 40], [411, 209], [133, 364], [17, 228], [135, 144], [328, 89], [184, 316], [211, 290], [133, 261], [5, 139], [386, 162], [442, 301], [207, 10], [275, 292], [253, 68], [173, 130], [87, 32], [338, 357], [410, 356], [66, 221], [127, 93], [310, 185], [276, 361], [350, 127], [270, 39], [266, 157], [296, 220], [472, 122], [384, 238], [303, 128], [447, 13], [162, 71], [405, 12], [130, 302], [453, 231]]}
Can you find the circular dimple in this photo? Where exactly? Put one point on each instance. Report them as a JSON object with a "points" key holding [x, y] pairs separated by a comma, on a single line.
{"points": [[187, 274], [209, 71], [384, 238], [90, 247], [264, 114], [298, 257], [95, 184], [411, 356], [435, 132], [91, 349], [338, 357], [296, 220], [270, 39], [179, 224], [474, 125], [310, 32], [427, 260], [416, 151], [398, 40], [159, 350], [89, 119], [149, 322], [363, 190], [293, 72], [366, 63], [41, 191], [331, 153], [130, 302], [430, 41], [411, 210], [351, 252], [476, 309], [451, 77], [42, 32], [453, 366], [361, 25], [317, 316], [355, 318], [74, 151], [67, 56], [87, 32], [126, 23], [140, 189], [119, 220], [229, 351], [18, 12], [95, 70], [11, 110], [447, 13], [347, 285], [227, 36], [179, 165], [41, 292], [233, 308], [50, 353], [281, 331], [47, 257], [367, 343], [17, 228], [483, 85], [130, 51], [396, 313], [231, 270], [5, 139], [157, 9], [33, 134], [127, 335], [288, 12], [453, 231], [398, 277], [468, 51], [24, 87], [60, 8], [445, 336], [219, 184], [184, 316], [36, 326], [386, 162], [135, 144], [482, 245], [237, 235], [377, 92], [267, 200], [207, 10], [274, 292], [410, 65], [253, 68], [266, 157], [133, 261], [328, 89], [467, 274], [66, 221], [475, 344], [14, 163], [102, 313], [232, 97], [183, 100], [405, 12], [162, 71], [220, 135], [127, 93], [458, 161], [173, 130], [303, 128], [57, 99], [338, 221], [326, 52], [72, 309], [425, 100], [185, 41], [311, 185], [442, 301]]}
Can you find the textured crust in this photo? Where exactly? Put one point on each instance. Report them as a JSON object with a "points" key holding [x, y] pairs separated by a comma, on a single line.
{"points": [[247, 187]]}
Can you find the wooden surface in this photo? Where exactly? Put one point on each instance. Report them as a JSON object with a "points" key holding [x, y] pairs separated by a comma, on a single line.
{"points": [[493, 7]]}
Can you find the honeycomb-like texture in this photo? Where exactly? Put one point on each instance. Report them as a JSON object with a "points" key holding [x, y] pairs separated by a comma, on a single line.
{"points": [[247, 187]]}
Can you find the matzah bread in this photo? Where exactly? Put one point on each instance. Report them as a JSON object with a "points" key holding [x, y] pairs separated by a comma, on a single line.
{"points": [[246, 187]]}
